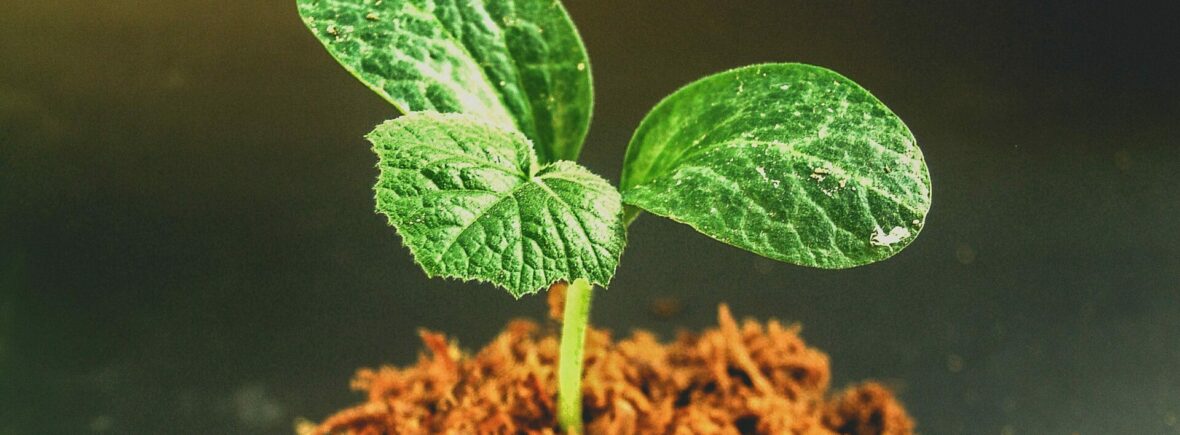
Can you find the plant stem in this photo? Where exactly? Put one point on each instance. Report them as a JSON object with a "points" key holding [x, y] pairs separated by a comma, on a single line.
{"points": [[569, 362]]}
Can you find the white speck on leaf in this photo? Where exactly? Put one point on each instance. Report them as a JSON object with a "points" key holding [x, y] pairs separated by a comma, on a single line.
{"points": [[581, 66], [897, 234], [761, 171]]}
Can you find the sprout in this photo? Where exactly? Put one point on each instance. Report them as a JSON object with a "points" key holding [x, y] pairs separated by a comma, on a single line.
{"points": [[789, 161]]}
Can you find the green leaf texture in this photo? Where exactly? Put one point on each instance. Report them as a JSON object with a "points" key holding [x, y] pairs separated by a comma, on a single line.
{"points": [[516, 62], [471, 201], [790, 161]]}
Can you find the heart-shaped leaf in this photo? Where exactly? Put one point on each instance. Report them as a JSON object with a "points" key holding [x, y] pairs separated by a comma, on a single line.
{"points": [[516, 62], [471, 201], [790, 161]]}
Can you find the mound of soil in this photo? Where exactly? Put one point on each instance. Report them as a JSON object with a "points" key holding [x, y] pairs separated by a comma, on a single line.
{"points": [[751, 378]]}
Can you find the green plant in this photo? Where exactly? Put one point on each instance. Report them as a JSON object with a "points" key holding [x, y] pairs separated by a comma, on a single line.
{"points": [[790, 161]]}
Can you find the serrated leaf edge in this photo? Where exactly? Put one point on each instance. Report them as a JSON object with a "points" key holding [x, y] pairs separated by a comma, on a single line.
{"points": [[534, 169]]}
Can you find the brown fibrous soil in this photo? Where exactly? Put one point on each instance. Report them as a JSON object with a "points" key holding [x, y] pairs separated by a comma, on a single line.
{"points": [[735, 379]]}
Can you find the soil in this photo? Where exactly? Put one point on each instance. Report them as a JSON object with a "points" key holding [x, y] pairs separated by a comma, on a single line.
{"points": [[735, 379]]}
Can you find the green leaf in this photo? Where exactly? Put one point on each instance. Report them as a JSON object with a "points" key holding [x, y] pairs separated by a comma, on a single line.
{"points": [[471, 201], [790, 161], [515, 62]]}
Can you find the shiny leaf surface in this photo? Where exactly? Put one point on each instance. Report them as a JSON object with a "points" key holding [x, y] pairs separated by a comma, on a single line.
{"points": [[790, 161], [516, 62]]}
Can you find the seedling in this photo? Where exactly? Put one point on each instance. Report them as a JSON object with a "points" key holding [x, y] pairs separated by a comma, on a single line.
{"points": [[790, 161]]}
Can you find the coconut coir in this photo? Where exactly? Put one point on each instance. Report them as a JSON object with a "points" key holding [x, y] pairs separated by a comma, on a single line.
{"points": [[751, 378]]}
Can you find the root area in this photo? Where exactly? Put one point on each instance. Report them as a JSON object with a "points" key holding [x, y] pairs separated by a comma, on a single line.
{"points": [[733, 379]]}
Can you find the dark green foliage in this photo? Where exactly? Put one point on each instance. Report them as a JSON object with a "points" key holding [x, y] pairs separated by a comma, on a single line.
{"points": [[790, 161], [515, 62]]}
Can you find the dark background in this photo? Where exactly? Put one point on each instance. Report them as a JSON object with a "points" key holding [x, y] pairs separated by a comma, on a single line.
{"points": [[187, 241]]}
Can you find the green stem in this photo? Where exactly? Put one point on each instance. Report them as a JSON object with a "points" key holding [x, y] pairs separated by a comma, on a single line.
{"points": [[569, 362]]}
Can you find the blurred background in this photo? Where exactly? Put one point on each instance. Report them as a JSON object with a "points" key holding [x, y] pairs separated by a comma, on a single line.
{"points": [[188, 242]]}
